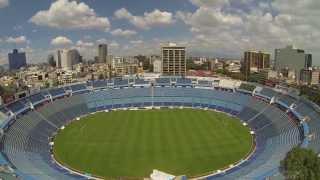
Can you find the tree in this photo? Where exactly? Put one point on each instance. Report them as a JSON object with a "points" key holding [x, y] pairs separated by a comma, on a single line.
{"points": [[145, 62], [55, 83], [6, 90], [46, 84], [101, 76], [300, 164], [312, 93]]}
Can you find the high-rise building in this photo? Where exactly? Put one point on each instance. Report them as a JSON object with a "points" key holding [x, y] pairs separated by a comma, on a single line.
{"points": [[102, 53], [174, 62], [109, 59], [292, 59], [315, 77], [153, 58], [116, 61], [124, 66], [157, 66], [308, 61], [64, 58], [309, 76], [17, 60], [255, 61], [58, 62], [69, 58], [51, 61], [305, 76]]}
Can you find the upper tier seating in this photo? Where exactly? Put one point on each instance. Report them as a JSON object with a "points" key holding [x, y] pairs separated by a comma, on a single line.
{"points": [[163, 82], [183, 82], [203, 83], [286, 100], [26, 142], [268, 93], [100, 84], [78, 87], [16, 107], [36, 98], [57, 92]]}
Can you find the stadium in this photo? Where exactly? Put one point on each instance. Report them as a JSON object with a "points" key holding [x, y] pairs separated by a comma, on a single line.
{"points": [[272, 121]]}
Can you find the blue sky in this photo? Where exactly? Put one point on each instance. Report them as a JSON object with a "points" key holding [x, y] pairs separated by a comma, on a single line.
{"points": [[206, 27]]}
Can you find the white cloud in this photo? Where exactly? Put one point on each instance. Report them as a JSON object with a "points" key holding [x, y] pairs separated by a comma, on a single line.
{"points": [[123, 13], [85, 44], [27, 49], [225, 27], [4, 3], [111, 43], [210, 3], [102, 41], [123, 33], [66, 14], [158, 17], [219, 4], [17, 40], [148, 20], [146, 47], [61, 41], [114, 45], [207, 18], [136, 42]]}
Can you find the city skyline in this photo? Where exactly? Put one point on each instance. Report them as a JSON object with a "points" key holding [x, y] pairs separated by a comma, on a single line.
{"points": [[206, 28]]}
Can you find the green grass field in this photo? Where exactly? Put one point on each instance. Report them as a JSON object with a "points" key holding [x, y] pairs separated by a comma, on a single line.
{"points": [[133, 143]]}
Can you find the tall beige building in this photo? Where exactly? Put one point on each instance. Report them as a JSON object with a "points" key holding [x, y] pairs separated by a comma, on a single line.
{"points": [[157, 66], [174, 62], [69, 58], [58, 58]]}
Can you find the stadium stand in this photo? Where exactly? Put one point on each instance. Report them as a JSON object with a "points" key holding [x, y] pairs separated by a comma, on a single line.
{"points": [[286, 101], [17, 107], [204, 83], [266, 93], [162, 82], [141, 83], [99, 84], [119, 83], [57, 92], [78, 88], [25, 143], [183, 82]]}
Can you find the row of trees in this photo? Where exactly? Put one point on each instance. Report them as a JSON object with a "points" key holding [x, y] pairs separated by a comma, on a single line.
{"points": [[254, 77], [312, 93]]}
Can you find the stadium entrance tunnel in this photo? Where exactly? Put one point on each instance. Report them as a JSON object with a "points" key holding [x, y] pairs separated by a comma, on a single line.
{"points": [[134, 142]]}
